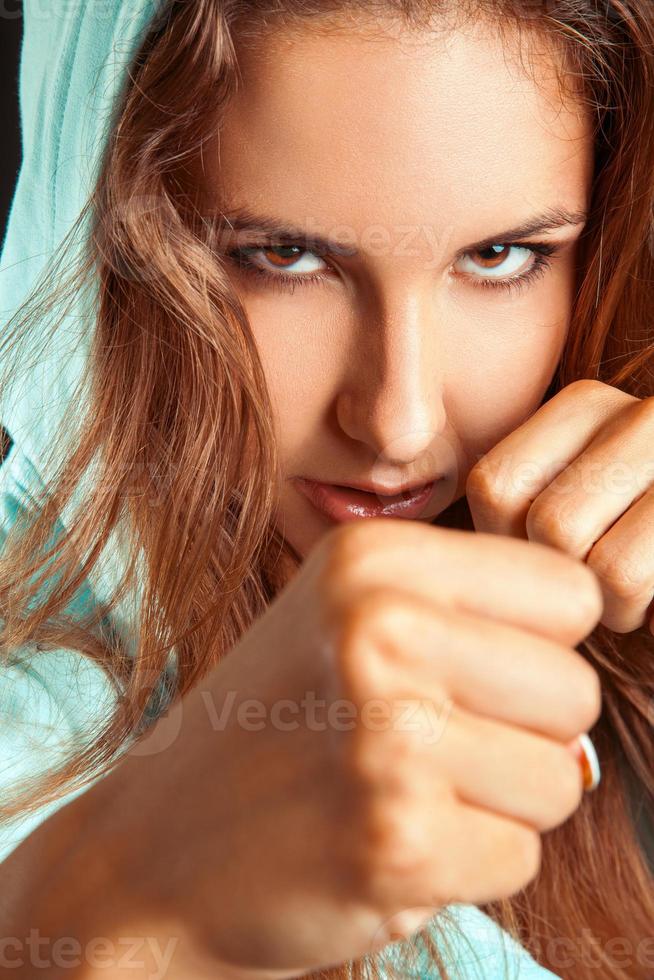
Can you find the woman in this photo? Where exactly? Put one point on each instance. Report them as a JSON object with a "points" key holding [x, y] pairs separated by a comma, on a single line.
{"points": [[397, 246]]}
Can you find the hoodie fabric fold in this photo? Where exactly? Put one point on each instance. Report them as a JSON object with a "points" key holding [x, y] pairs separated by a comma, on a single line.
{"points": [[74, 64]]}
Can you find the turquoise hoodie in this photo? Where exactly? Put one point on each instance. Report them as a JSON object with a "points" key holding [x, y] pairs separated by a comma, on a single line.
{"points": [[73, 65]]}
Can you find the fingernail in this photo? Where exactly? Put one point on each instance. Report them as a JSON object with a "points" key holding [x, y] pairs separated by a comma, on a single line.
{"points": [[585, 753]]}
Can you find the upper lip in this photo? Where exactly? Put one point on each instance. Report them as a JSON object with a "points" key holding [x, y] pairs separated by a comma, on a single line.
{"points": [[382, 491]]}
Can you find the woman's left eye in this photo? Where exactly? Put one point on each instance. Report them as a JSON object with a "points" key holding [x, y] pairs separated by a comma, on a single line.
{"points": [[500, 262], [270, 263]]}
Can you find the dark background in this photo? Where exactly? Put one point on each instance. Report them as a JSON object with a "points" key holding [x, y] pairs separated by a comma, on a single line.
{"points": [[11, 27], [11, 30]]}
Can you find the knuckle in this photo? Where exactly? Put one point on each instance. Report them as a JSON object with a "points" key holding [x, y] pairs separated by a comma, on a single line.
{"points": [[645, 407], [516, 859], [380, 609], [374, 634], [393, 842], [621, 575], [582, 584], [588, 695], [482, 483], [526, 853], [553, 524], [639, 410], [382, 760], [351, 557], [566, 788], [493, 488], [344, 550], [588, 386]]}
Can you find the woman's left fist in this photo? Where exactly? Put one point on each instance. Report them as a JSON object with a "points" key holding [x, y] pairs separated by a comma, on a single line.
{"points": [[579, 475]]}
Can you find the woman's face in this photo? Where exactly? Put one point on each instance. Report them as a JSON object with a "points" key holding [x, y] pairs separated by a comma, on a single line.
{"points": [[430, 328]]}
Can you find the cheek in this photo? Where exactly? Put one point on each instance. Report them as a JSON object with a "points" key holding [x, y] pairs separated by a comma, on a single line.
{"points": [[299, 364], [500, 367], [498, 358]]}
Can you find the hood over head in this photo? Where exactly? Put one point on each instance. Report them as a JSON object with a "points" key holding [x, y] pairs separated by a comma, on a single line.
{"points": [[74, 63]]}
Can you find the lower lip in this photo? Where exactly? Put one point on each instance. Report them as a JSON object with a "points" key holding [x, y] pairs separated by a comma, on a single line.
{"points": [[343, 504]]}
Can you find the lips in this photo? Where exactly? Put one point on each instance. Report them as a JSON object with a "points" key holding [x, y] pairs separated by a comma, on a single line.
{"points": [[343, 504]]}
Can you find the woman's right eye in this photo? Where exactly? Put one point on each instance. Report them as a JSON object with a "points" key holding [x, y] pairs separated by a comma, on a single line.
{"points": [[274, 261], [281, 258]]}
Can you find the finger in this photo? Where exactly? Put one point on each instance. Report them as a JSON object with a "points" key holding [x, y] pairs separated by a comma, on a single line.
{"points": [[510, 771], [623, 560], [529, 585], [584, 501], [503, 485], [488, 668], [469, 855], [495, 855]]}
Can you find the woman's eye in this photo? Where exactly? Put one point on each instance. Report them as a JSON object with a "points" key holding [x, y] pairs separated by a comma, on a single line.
{"points": [[497, 261], [499, 267], [282, 259], [508, 267]]}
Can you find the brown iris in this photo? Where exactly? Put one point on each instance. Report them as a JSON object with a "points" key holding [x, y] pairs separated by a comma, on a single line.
{"points": [[290, 254], [490, 258]]}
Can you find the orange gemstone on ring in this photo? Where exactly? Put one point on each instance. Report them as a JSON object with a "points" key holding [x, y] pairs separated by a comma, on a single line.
{"points": [[589, 762]]}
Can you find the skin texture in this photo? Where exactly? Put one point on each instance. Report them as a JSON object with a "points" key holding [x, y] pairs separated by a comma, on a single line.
{"points": [[400, 365], [394, 368]]}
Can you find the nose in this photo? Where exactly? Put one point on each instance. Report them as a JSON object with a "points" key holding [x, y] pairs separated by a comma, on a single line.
{"points": [[392, 396]]}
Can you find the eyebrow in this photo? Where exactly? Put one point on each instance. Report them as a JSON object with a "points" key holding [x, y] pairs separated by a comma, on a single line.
{"points": [[243, 219]]}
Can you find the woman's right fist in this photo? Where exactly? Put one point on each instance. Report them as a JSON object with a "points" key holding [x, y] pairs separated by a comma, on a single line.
{"points": [[396, 738]]}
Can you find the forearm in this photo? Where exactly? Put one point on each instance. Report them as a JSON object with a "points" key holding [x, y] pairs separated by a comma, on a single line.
{"points": [[72, 901], [77, 902]]}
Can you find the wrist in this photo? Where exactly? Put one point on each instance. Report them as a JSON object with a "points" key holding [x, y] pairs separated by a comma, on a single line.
{"points": [[71, 900]]}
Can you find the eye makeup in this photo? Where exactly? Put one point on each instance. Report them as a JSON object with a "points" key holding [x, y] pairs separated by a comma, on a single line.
{"points": [[242, 259]]}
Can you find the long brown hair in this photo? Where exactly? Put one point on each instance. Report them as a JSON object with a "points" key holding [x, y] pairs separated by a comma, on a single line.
{"points": [[176, 402]]}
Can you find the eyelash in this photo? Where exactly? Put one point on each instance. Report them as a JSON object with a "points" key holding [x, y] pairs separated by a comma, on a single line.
{"points": [[543, 252]]}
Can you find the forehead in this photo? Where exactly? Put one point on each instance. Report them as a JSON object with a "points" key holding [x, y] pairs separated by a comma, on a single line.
{"points": [[444, 127]]}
